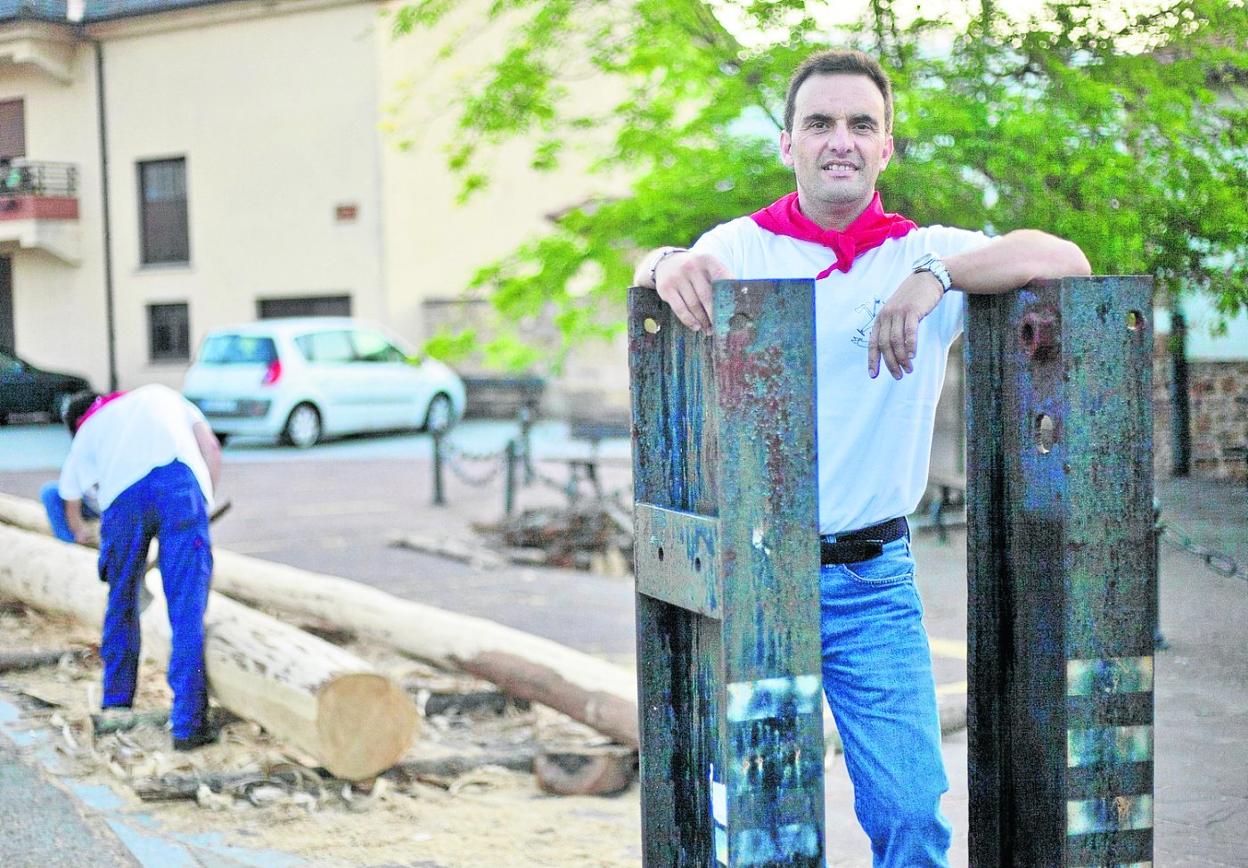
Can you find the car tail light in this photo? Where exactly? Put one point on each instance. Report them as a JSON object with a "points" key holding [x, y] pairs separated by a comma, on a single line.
{"points": [[273, 373]]}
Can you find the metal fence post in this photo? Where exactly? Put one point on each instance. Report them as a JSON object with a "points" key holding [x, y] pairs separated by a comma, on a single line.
{"points": [[525, 417], [439, 498], [509, 492], [1061, 583], [726, 560]]}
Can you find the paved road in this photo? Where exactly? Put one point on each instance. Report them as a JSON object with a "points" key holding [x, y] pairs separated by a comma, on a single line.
{"points": [[334, 508]]}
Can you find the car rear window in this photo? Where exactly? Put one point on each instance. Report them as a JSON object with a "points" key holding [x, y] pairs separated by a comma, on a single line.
{"points": [[237, 350]]}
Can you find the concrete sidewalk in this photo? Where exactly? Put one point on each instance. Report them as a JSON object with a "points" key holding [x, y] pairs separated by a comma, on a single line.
{"points": [[336, 515]]}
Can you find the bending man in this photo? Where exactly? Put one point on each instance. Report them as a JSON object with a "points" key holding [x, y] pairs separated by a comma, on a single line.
{"points": [[155, 463]]}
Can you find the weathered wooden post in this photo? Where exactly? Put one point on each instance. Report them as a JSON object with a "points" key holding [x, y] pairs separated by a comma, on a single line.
{"points": [[1062, 603], [727, 563]]}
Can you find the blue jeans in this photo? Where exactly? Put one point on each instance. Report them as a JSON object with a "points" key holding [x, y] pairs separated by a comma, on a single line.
{"points": [[877, 671], [169, 505], [54, 506]]}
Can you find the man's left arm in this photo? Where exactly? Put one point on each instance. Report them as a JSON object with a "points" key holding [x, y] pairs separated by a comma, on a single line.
{"points": [[73, 518], [1011, 261]]}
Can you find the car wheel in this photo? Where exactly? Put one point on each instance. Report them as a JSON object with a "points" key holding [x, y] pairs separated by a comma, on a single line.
{"points": [[303, 427], [441, 413], [60, 406]]}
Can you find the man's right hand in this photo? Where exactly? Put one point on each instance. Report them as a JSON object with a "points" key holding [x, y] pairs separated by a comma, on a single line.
{"points": [[683, 280]]}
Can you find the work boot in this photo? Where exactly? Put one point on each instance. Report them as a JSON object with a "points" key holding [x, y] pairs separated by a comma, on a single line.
{"points": [[206, 734]]}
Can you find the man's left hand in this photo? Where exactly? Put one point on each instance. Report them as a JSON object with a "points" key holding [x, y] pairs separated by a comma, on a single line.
{"points": [[895, 334]]}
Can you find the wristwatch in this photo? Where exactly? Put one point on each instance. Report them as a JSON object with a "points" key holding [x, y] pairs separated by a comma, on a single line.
{"points": [[932, 263]]}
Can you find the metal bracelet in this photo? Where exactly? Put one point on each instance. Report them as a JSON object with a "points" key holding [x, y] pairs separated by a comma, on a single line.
{"points": [[654, 269]]}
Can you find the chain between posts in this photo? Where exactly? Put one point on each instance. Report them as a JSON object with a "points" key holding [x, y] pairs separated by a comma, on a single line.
{"points": [[446, 454], [1219, 562], [515, 460]]}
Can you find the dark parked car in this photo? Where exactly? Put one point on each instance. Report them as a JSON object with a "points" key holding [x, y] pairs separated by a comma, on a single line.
{"points": [[27, 389]]}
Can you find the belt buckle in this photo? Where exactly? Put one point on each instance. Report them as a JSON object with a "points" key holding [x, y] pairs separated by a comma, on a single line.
{"points": [[875, 546]]}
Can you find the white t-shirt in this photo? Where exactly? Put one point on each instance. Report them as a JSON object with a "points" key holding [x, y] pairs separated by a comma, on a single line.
{"points": [[127, 439], [874, 437]]}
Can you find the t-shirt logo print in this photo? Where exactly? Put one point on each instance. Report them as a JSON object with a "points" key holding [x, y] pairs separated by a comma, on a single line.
{"points": [[863, 333]]}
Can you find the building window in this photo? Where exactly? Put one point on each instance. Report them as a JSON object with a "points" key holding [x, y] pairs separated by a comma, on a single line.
{"points": [[168, 332], [12, 129], [314, 305], [162, 201]]}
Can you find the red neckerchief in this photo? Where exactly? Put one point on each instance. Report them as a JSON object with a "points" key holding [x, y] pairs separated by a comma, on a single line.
{"points": [[869, 230], [95, 408]]}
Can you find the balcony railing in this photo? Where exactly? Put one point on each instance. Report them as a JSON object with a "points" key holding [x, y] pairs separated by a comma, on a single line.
{"points": [[23, 177]]}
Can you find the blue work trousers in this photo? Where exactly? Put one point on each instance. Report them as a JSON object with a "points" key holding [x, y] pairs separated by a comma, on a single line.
{"points": [[166, 504], [877, 671]]}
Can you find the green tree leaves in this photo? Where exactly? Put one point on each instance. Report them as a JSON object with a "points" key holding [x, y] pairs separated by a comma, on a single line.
{"points": [[1126, 132]]}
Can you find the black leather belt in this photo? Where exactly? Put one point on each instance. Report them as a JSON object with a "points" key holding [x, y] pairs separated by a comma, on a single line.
{"points": [[861, 545]]}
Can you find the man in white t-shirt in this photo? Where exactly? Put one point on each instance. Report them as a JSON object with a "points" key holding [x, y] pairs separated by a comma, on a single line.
{"points": [[882, 293], [153, 463]]}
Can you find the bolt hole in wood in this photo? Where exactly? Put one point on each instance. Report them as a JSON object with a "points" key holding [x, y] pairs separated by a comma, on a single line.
{"points": [[651, 325], [697, 565], [1027, 334], [660, 553], [1046, 433], [1135, 321]]}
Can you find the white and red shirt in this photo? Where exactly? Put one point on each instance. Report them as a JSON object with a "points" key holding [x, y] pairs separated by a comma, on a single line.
{"points": [[127, 438], [873, 437]]}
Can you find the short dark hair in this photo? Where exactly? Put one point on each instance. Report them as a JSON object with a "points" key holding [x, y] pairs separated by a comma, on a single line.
{"points": [[76, 408], [840, 63]]}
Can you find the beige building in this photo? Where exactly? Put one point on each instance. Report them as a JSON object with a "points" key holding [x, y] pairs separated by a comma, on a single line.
{"points": [[168, 167]]}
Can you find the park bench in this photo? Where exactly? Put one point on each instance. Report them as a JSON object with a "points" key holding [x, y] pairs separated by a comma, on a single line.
{"points": [[591, 423], [503, 397]]}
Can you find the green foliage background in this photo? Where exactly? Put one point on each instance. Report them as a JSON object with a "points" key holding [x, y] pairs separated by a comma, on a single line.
{"points": [[1126, 133]]}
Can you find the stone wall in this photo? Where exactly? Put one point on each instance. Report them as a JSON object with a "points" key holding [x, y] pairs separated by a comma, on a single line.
{"points": [[1218, 392]]}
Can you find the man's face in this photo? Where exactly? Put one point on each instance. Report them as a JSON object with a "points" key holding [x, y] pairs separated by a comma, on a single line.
{"points": [[838, 146]]}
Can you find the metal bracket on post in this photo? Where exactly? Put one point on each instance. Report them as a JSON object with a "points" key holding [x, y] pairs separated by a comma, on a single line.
{"points": [[1062, 594], [727, 564]]}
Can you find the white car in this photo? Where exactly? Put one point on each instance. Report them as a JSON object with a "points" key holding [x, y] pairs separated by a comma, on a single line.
{"points": [[305, 378]]}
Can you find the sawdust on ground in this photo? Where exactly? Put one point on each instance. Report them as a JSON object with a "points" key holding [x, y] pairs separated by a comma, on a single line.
{"points": [[489, 816]]}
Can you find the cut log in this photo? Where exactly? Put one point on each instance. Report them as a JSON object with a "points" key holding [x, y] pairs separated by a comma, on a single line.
{"points": [[585, 771], [16, 661], [592, 691], [585, 688], [465, 551], [445, 769], [171, 787], [324, 700], [491, 702], [24, 513]]}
